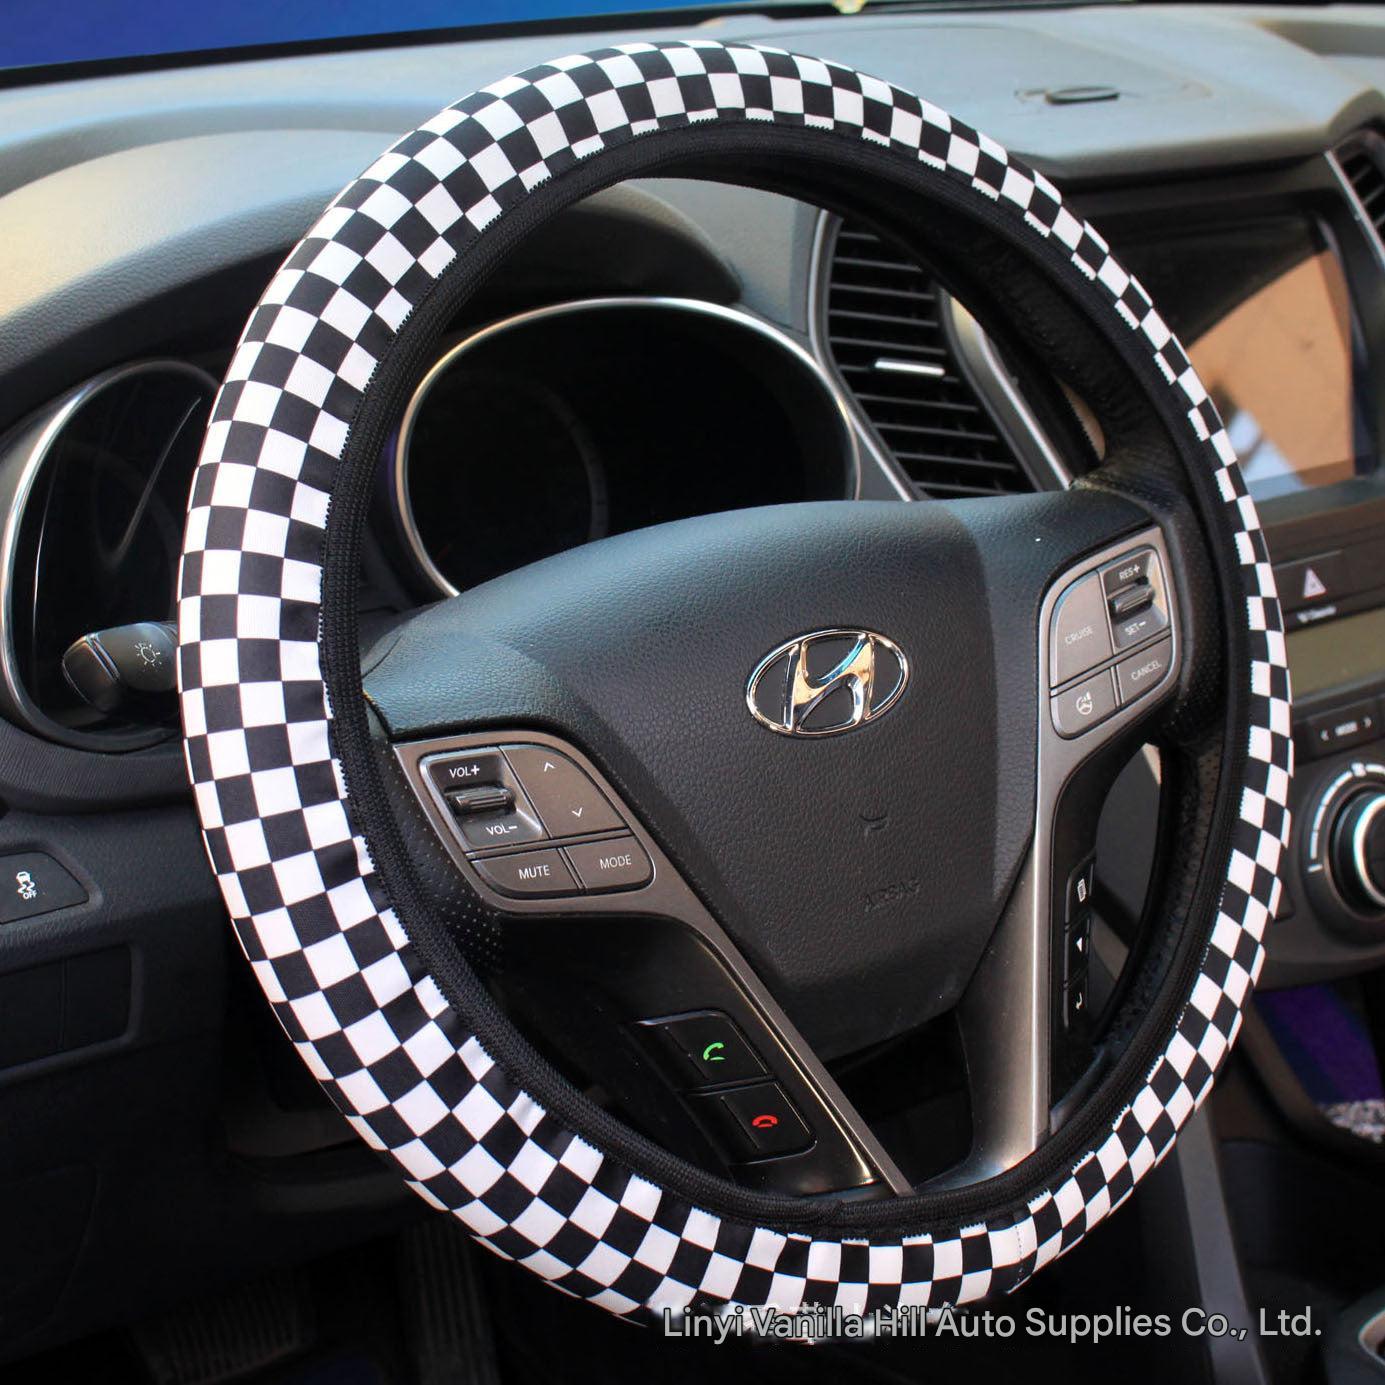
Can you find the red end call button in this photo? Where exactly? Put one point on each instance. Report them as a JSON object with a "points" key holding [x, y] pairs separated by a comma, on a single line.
{"points": [[756, 1122]]}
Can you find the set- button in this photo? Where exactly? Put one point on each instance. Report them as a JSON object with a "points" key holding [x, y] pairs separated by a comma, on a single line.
{"points": [[502, 797]]}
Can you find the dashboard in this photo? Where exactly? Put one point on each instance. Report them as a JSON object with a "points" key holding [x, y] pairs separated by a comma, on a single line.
{"points": [[665, 349]]}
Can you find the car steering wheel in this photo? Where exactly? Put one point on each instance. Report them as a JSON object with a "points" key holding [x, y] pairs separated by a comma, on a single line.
{"points": [[820, 772]]}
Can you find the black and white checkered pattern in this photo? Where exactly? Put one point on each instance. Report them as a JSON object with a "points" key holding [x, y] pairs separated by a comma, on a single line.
{"points": [[351, 991]]}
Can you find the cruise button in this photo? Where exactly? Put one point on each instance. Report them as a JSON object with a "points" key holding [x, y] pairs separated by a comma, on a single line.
{"points": [[567, 801], [532, 873], [1080, 708], [1131, 599], [619, 863], [1079, 637]]}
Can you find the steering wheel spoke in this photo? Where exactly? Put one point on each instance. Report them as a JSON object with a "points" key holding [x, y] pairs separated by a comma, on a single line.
{"points": [[674, 1016], [569, 862], [1110, 645]]}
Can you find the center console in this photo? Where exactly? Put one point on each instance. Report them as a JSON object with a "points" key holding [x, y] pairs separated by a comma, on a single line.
{"points": [[1276, 286]]}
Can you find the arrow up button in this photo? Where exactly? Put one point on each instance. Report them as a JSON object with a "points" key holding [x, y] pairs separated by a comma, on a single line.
{"points": [[567, 801]]}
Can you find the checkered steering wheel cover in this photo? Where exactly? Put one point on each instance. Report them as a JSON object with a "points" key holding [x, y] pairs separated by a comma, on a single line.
{"points": [[343, 978]]}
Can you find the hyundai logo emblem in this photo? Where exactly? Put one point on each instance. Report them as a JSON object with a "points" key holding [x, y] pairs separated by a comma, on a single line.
{"points": [[827, 682]]}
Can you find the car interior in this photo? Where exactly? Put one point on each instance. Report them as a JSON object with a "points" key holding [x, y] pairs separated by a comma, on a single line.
{"points": [[724, 681]]}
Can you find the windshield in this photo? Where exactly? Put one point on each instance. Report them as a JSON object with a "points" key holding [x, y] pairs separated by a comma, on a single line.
{"points": [[41, 32]]}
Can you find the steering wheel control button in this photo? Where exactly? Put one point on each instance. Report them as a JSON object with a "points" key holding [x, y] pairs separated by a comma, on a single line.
{"points": [[1135, 629], [756, 1122], [1080, 885], [1077, 948], [1080, 638], [486, 831], [1135, 598], [619, 863], [466, 771], [1143, 672], [705, 1049], [34, 883], [1129, 571], [1079, 708], [527, 873], [1075, 1000], [568, 803], [1131, 600], [484, 798]]}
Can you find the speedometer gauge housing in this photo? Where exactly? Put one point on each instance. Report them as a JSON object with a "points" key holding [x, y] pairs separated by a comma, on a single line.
{"points": [[93, 490]]}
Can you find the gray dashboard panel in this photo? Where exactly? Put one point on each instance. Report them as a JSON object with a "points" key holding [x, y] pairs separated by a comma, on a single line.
{"points": [[178, 173]]}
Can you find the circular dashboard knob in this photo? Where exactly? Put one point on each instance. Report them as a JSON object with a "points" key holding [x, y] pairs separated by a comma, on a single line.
{"points": [[1358, 850]]}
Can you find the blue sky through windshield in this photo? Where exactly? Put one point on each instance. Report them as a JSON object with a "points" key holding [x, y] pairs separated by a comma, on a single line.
{"points": [[68, 31]]}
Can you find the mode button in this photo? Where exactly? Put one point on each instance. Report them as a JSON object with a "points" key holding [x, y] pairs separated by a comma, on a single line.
{"points": [[617, 864]]}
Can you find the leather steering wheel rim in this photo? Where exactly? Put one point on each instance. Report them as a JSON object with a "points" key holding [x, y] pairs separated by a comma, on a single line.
{"points": [[372, 1013]]}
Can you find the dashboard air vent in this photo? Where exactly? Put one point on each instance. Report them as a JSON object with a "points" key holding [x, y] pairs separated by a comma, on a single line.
{"points": [[1362, 161], [883, 320]]}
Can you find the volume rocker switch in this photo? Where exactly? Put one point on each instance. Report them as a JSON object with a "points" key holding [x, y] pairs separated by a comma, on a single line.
{"points": [[484, 798]]}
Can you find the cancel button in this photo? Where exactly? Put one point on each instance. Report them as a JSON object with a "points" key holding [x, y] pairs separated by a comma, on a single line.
{"points": [[618, 864], [1141, 672]]}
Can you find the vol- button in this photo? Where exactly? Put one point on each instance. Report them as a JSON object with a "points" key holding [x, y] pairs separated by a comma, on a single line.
{"points": [[483, 830], [567, 801]]}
